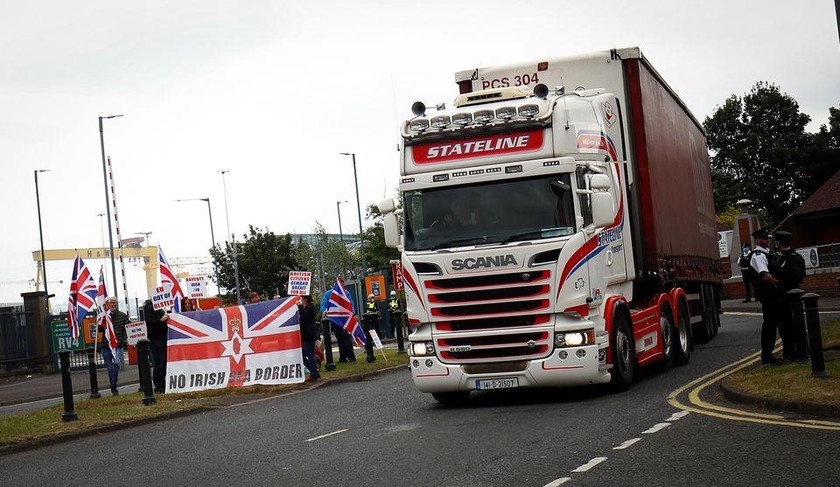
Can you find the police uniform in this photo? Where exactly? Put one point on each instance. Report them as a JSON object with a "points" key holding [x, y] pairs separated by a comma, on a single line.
{"points": [[766, 293], [393, 308], [789, 271], [373, 315]]}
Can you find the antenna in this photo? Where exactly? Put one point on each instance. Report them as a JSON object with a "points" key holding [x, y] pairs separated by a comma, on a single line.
{"points": [[563, 94]]}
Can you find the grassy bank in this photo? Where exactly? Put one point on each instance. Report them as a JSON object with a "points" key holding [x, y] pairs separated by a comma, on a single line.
{"points": [[108, 412], [793, 382]]}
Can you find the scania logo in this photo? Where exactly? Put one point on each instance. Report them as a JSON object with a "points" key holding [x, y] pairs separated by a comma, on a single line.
{"points": [[484, 262], [532, 344]]}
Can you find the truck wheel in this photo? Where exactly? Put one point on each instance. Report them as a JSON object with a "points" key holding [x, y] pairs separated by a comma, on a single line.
{"points": [[622, 350], [682, 348], [455, 397], [712, 308], [668, 333], [703, 328]]}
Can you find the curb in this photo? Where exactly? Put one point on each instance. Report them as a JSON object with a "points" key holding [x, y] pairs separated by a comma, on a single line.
{"points": [[740, 396], [35, 444], [15, 402]]}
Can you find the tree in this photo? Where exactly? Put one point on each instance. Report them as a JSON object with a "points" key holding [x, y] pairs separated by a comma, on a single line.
{"points": [[760, 149], [378, 256], [264, 259], [327, 255]]}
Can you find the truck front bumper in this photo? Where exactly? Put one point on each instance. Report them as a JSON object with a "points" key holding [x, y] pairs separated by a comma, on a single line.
{"points": [[577, 366]]}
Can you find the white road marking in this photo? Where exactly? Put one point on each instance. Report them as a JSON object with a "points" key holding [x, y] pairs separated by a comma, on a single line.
{"points": [[591, 463], [678, 415], [656, 427], [326, 435], [627, 444], [560, 481]]}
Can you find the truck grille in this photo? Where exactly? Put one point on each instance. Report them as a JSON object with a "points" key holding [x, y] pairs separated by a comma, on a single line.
{"points": [[499, 317]]}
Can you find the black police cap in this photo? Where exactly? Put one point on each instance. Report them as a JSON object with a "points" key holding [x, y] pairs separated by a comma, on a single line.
{"points": [[761, 233], [783, 237]]}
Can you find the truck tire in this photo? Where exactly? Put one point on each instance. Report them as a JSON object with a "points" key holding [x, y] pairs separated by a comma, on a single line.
{"points": [[623, 353], [668, 334], [682, 348], [702, 330], [455, 397]]}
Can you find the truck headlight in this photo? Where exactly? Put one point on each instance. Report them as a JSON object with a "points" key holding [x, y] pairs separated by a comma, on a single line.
{"points": [[575, 338], [421, 349]]}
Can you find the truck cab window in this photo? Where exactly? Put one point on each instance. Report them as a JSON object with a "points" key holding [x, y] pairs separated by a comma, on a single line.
{"points": [[583, 174]]}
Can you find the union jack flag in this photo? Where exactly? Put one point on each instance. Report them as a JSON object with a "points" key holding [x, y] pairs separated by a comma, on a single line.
{"points": [[103, 317], [82, 296], [233, 347], [170, 282], [339, 310]]}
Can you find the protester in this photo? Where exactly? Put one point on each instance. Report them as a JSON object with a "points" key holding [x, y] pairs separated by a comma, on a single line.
{"points": [[309, 335], [790, 272], [765, 290], [157, 330], [342, 337], [187, 305], [254, 298], [113, 359]]}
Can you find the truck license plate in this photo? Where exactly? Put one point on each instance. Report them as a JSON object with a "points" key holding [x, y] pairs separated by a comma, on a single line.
{"points": [[506, 383]]}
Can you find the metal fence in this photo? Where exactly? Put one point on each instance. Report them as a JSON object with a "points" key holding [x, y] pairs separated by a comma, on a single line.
{"points": [[829, 255], [14, 345]]}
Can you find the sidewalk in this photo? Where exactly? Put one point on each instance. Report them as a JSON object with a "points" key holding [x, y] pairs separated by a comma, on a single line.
{"points": [[829, 303]]}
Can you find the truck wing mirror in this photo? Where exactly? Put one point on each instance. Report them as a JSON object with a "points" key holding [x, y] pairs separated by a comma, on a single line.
{"points": [[391, 225], [603, 213], [600, 181], [387, 205]]}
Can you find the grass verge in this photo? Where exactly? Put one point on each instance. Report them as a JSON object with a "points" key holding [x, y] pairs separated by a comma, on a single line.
{"points": [[46, 425], [793, 382]]}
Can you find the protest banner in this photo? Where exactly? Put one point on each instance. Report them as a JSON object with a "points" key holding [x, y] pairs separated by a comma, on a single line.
{"points": [[299, 282], [196, 287], [162, 298], [136, 331], [234, 347], [377, 343]]}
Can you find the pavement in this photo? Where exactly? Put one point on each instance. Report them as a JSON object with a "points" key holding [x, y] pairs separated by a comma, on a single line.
{"points": [[27, 392]]}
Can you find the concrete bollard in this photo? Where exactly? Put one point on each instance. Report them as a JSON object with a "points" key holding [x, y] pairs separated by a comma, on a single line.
{"points": [[812, 317], [67, 387], [328, 352], [145, 372], [94, 382]]}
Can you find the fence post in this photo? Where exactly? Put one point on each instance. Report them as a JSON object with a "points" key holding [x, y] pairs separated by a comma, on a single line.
{"points": [[800, 334], [328, 352], [145, 374], [67, 387], [812, 315], [368, 321]]}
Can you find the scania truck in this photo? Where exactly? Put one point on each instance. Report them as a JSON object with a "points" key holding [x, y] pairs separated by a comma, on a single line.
{"points": [[556, 228]]}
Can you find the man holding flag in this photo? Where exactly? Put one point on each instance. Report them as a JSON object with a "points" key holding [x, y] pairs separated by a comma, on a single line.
{"points": [[339, 310], [111, 350], [170, 282]]}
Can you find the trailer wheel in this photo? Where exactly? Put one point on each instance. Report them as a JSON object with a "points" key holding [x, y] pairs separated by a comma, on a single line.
{"points": [[682, 350], [455, 397], [703, 329], [668, 332], [623, 353]]}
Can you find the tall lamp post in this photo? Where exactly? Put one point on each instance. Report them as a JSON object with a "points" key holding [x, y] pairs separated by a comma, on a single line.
{"points": [[210, 214], [359, 210], [338, 209], [41, 235], [107, 201], [233, 247]]}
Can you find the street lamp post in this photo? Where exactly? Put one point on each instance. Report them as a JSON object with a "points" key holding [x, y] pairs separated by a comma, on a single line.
{"points": [[210, 214], [359, 210], [107, 202], [233, 247], [338, 209], [41, 235]]}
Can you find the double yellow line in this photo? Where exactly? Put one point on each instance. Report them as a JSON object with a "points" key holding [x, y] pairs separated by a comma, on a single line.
{"points": [[697, 405]]}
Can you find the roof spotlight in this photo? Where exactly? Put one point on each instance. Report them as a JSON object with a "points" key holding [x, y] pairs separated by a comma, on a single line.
{"points": [[418, 108]]}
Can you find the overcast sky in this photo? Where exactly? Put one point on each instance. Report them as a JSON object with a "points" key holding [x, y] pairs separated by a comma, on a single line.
{"points": [[275, 90]]}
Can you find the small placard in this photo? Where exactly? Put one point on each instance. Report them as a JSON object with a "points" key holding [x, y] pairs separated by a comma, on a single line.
{"points": [[299, 282], [162, 298], [136, 331], [377, 343], [196, 287]]}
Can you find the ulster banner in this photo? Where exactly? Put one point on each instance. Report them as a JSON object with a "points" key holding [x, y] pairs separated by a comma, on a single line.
{"points": [[234, 347]]}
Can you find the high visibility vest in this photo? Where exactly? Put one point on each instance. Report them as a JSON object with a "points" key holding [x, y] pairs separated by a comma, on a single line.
{"points": [[371, 306], [394, 304]]}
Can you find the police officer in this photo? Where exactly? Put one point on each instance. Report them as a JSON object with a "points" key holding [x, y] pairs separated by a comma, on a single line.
{"points": [[393, 308], [790, 272], [744, 265], [373, 314], [765, 290]]}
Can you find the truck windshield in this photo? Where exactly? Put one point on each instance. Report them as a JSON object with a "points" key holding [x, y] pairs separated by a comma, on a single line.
{"points": [[494, 212]]}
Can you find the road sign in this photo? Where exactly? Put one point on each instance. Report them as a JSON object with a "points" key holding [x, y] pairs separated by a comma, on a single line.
{"points": [[396, 267], [62, 338], [375, 285]]}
